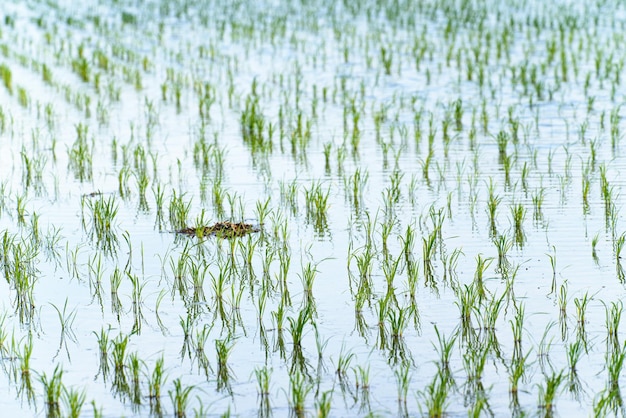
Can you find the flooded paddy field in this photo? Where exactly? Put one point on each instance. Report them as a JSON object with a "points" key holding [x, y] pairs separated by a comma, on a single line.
{"points": [[312, 208]]}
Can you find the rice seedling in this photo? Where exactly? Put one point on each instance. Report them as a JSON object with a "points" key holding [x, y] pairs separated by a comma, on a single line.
{"points": [[102, 221], [53, 388], [263, 376], [81, 154], [613, 316], [574, 352], [435, 396], [224, 372], [503, 245], [66, 320], [74, 400], [296, 326], [581, 309], [617, 250], [594, 244], [180, 397], [118, 360], [549, 390], [538, 198], [21, 210], [307, 278], [399, 319], [403, 379], [103, 348], [155, 383], [428, 252], [7, 78], [317, 207], [135, 364], [219, 283], [444, 349], [364, 262], [178, 211], [518, 213], [343, 363], [492, 207], [355, 187], [299, 389], [323, 404], [482, 264], [552, 258], [562, 302], [278, 317], [26, 386]]}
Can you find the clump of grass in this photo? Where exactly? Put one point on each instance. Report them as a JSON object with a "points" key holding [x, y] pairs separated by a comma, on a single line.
{"points": [[263, 377], [223, 349], [155, 384], [549, 390], [53, 389], [518, 213], [102, 224], [180, 398], [74, 400], [299, 389], [7, 77], [317, 207], [81, 154], [178, 211], [254, 126]]}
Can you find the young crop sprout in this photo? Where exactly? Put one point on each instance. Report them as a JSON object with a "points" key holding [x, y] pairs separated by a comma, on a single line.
{"points": [[155, 382], [482, 264], [178, 211], [574, 352], [552, 258], [618, 246], [180, 398], [67, 322], [403, 379], [317, 207], [444, 349], [81, 154], [53, 388], [581, 309], [538, 198], [299, 388], [548, 392], [492, 207], [74, 400], [343, 363], [103, 226], [503, 245], [594, 244], [436, 396], [25, 371], [428, 252], [323, 404], [263, 377], [224, 371], [518, 213]]}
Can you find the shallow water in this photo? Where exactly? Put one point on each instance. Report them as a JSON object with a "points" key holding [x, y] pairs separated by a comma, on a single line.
{"points": [[318, 73]]}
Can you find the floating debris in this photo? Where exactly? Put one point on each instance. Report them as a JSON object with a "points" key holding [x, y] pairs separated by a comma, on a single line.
{"points": [[93, 194], [221, 229]]}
